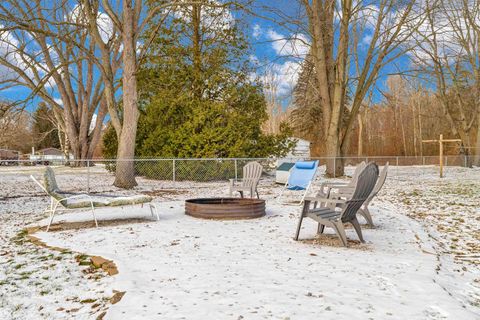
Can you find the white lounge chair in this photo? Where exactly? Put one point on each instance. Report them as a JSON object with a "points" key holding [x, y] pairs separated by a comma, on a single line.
{"points": [[62, 201]]}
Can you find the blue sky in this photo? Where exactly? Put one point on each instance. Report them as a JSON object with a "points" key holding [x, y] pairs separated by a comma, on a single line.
{"points": [[278, 47]]}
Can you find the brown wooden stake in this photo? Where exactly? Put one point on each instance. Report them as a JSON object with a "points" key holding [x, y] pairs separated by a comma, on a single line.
{"points": [[440, 144]]}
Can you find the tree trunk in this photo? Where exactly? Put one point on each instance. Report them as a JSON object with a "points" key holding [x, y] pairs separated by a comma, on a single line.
{"points": [[476, 160], [360, 135], [125, 168]]}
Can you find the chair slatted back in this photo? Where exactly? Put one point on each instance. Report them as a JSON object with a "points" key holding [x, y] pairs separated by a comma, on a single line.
{"points": [[50, 180], [359, 168], [380, 182], [366, 182], [252, 172]]}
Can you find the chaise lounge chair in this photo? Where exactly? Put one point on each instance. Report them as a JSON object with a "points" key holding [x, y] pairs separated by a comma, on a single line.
{"points": [[62, 201], [252, 172], [301, 177], [333, 216]]}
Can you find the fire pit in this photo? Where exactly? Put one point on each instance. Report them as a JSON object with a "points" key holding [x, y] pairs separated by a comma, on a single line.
{"points": [[225, 208]]}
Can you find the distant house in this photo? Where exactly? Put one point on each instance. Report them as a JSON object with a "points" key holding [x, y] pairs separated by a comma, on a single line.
{"points": [[49, 155], [8, 156], [301, 151]]}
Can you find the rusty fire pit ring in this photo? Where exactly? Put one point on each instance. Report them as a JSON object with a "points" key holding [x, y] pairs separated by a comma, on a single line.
{"points": [[225, 208]]}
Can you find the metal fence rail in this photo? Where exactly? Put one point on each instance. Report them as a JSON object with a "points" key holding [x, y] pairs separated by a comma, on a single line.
{"points": [[98, 175]]}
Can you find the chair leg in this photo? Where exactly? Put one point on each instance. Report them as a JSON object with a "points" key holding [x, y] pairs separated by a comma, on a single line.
{"points": [[357, 228], [281, 194], [305, 194], [241, 194], [52, 214], [153, 209], [320, 228], [366, 214], [93, 214], [338, 226], [305, 208], [258, 196]]}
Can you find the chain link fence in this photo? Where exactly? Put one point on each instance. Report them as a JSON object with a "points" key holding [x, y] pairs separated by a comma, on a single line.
{"points": [[97, 176]]}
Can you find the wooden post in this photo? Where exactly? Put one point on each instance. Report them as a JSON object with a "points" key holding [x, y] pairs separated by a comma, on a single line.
{"points": [[441, 141]]}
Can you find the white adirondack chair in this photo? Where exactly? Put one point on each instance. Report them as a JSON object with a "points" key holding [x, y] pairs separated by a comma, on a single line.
{"points": [[252, 172]]}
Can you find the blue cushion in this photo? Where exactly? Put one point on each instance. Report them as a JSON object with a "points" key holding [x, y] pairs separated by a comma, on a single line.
{"points": [[296, 188], [305, 164]]}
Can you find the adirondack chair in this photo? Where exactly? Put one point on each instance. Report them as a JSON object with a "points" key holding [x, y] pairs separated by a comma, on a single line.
{"points": [[378, 186], [327, 187], [62, 201], [334, 216], [300, 178], [252, 172]]}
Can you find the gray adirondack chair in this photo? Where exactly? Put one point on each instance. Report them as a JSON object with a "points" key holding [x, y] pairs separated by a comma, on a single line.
{"points": [[378, 186], [252, 172], [364, 211], [334, 216], [327, 187]]}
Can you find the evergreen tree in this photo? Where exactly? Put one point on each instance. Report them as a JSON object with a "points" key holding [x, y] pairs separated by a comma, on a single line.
{"points": [[197, 98], [44, 130]]}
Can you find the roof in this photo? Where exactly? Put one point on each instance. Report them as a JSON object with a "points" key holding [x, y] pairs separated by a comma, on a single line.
{"points": [[286, 166], [50, 151]]}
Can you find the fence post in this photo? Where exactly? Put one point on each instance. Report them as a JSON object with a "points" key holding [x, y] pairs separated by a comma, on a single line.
{"points": [[397, 161], [236, 170], [335, 166], [423, 160], [173, 170], [446, 161], [465, 160], [88, 176]]}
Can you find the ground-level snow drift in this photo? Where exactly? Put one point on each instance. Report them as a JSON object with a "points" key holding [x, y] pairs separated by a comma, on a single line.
{"points": [[185, 268], [420, 263]]}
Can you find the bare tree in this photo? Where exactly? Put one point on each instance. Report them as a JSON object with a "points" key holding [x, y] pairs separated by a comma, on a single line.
{"points": [[47, 52], [128, 19], [448, 52], [330, 26]]}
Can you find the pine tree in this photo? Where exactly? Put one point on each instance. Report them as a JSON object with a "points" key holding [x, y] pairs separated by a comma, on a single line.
{"points": [[196, 96], [44, 130]]}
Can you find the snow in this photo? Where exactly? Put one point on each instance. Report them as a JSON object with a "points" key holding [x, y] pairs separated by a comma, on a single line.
{"points": [[185, 268]]}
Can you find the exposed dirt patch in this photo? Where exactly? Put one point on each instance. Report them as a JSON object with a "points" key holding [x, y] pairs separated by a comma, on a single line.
{"points": [[334, 241], [65, 226], [160, 192]]}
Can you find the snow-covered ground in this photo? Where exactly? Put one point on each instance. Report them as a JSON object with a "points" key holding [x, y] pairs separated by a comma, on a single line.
{"points": [[421, 262]]}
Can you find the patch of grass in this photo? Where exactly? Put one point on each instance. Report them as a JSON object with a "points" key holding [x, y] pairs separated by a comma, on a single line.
{"points": [[88, 301], [18, 266], [44, 292]]}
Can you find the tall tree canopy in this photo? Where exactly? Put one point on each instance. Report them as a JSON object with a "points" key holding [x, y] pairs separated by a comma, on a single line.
{"points": [[196, 96]]}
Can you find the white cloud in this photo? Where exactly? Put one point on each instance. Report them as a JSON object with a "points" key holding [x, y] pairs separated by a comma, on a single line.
{"points": [[280, 78], [295, 45], [257, 31], [444, 35]]}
